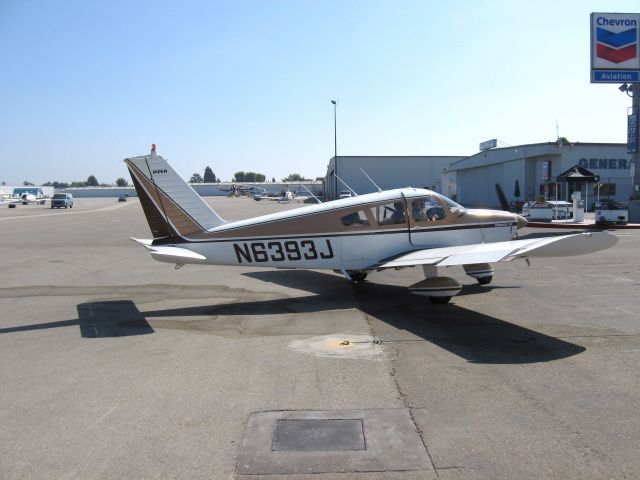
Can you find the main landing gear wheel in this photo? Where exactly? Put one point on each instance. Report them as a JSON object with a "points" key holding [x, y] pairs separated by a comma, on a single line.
{"points": [[357, 276], [482, 272], [439, 300]]}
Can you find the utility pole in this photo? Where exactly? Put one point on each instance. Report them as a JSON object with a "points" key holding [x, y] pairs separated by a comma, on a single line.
{"points": [[335, 146]]}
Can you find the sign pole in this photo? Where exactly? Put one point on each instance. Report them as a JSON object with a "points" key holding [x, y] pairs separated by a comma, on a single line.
{"points": [[615, 58], [634, 198]]}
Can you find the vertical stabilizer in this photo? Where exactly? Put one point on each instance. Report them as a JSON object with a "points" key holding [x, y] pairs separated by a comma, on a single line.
{"points": [[171, 206]]}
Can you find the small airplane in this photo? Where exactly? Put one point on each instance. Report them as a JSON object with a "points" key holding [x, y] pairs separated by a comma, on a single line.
{"points": [[398, 228], [238, 190], [25, 196]]}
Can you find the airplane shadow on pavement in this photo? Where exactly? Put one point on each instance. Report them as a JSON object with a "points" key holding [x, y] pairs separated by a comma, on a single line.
{"points": [[474, 336], [116, 318]]}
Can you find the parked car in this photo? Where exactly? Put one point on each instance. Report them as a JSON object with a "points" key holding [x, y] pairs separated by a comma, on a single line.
{"points": [[123, 198], [60, 200]]}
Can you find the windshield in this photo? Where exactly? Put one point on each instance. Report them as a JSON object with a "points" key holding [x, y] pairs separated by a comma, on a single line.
{"points": [[59, 195], [453, 206]]}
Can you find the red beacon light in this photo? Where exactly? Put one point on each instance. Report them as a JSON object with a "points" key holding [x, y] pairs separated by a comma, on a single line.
{"points": [[153, 146]]}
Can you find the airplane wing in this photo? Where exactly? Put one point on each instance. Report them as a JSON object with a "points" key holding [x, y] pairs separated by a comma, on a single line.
{"points": [[561, 246]]}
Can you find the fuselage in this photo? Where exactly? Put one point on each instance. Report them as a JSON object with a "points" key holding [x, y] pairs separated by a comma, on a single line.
{"points": [[352, 233]]}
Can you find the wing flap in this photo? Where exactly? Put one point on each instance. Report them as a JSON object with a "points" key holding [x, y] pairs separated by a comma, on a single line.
{"points": [[565, 245]]}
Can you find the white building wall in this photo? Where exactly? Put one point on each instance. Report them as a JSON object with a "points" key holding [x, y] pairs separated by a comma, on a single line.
{"points": [[476, 186], [477, 175]]}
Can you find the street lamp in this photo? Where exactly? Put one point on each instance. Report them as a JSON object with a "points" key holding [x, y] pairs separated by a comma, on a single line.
{"points": [[335, 145]]}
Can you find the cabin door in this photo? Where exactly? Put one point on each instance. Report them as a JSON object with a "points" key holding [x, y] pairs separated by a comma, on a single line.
{"points": [[431, 224]]}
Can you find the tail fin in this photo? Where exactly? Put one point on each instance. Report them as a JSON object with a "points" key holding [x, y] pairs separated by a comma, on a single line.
{"points": [[172, 207]]}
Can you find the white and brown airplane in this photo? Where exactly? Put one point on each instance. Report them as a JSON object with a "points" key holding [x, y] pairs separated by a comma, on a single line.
{"points": [[399, 228]]}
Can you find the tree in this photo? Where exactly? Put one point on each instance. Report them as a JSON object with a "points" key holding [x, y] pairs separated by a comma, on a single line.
{"points": [[196, 178], [121, 182], [92, 181], [209, 176], [239, 177], [516, 189], [293, 177], [27, 183]]}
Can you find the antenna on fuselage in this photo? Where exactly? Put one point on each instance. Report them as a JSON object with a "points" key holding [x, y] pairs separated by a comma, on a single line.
{"points": [[310, 192], [374, 183], [345, 184]]}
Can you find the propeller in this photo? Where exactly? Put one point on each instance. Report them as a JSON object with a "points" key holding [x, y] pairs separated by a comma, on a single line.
{"points": [[504, 204]]}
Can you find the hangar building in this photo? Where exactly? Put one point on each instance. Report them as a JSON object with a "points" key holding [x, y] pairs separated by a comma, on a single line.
{"points": [[390, 172], [536, 166]]}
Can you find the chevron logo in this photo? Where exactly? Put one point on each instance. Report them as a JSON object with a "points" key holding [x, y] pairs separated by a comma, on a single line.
{"points": [[616, 47]]}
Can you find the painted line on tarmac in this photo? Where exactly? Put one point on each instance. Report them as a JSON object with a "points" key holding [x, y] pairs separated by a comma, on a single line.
{"points": [[73, 212]]}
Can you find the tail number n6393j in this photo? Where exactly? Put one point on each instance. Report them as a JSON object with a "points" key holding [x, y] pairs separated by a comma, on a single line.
{"points": [[278, 251]]}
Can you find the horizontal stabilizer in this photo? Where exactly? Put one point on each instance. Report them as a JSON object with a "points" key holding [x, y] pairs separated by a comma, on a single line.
{"points": [[170, 254], [142, 241], [176, 255], [566, 245]]}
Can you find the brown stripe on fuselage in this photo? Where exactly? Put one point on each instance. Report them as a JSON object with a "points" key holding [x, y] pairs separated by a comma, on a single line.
{"points": [[184, 225], [329, 223]]}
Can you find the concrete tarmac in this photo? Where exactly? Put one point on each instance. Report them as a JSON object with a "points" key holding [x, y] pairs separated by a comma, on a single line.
{"points": [[117, 366]]}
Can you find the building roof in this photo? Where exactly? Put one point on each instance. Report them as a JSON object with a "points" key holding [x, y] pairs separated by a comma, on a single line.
{"points": [[520, 152], [577, 174]]}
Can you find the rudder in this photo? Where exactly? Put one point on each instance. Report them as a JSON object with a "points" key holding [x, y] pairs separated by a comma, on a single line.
{"points": [[171, 205]]}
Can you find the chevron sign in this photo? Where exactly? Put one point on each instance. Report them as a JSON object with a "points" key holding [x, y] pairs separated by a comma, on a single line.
{"points": [[617, 47], [615, 40]]}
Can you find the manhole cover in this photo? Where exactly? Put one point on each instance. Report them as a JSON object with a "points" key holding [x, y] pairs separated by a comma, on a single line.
{"points": [[306, 442], [318, 435]]}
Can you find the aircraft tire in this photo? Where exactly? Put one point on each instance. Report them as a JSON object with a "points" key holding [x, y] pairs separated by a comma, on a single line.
{"points": [[358, 276], [485, 280], [439, 300]]}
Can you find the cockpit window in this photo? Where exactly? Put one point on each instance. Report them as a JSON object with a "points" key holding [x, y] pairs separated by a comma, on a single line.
{"points": [[428, 210], [355, 218], [391, 213]]}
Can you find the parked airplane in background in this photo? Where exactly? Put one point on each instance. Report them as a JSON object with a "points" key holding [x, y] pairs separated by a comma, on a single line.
{"points": [[390, 229], [238, 190], [25, 196]]}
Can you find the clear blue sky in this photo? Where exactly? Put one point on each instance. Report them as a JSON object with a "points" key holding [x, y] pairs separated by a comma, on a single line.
{"points": [[246, 85]]}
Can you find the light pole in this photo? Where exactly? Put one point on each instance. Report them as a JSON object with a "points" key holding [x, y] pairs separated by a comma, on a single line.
{"points": [[335, 145]]}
